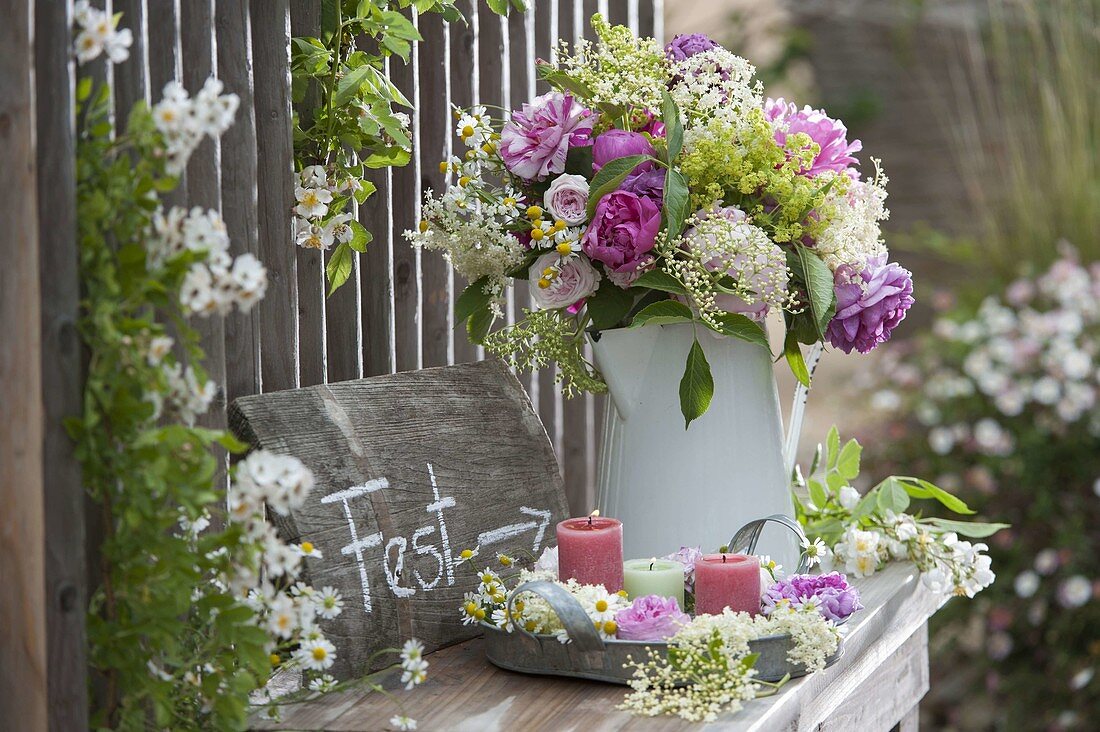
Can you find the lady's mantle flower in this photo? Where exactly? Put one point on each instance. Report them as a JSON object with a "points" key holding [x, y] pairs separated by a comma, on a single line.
{"points": [[830, 135], [651, 618], [870, 304], [533, 144]]}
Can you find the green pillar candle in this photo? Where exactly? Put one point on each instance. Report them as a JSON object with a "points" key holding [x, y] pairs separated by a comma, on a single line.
{"points": [[662, 577]]}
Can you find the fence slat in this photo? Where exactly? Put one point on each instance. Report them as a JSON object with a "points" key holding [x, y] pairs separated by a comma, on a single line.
{"points": [[378, 326], [521, 69], [436, 136], [163, 35], [406, 207], [275, 167], [305, 20], [242, 331], [23, 682], [62, 377], [464, 90], [131, 77]]}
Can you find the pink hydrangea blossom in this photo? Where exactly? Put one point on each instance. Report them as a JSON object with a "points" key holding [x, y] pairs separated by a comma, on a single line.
{"points": [[535, 141], [651, 618], [831, 135]]}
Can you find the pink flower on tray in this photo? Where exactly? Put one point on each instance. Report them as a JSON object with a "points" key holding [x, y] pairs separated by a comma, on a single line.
{"points": [[831, 135], [622, 234], [651, 618], [535, 141]]}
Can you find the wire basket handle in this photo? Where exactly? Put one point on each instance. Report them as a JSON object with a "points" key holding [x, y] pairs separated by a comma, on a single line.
{"points": [[747, 537], [574, 619]]}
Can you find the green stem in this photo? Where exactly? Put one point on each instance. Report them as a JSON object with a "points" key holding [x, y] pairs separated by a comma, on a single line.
{"points": [[331, 91]]}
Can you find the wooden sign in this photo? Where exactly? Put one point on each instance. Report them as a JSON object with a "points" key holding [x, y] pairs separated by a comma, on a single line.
{"points": [[410, 469]]}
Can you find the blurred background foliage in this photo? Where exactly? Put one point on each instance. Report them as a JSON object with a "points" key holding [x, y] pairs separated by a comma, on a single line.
{"points": [[986, 114]]}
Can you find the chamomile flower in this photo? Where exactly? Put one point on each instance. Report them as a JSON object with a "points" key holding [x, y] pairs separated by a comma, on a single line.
{"points": [[316, 655], [329, 603], [815, 551], [403, 723], [467, 555], [282, 616], [307, 549], [323, 684]]}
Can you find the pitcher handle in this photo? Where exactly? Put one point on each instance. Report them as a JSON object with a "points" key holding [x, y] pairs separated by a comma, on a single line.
{"points": [[746, 538], [798, 412]]}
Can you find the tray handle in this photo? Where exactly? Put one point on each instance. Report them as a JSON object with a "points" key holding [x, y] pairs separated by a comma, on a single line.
{"points": [[747, 537], [573, 617]]}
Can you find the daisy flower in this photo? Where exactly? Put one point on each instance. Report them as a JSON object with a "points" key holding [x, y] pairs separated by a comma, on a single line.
{"points": [[316, 655]]}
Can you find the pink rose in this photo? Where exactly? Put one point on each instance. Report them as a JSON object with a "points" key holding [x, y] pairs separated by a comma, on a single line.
{"points": [[615, 144], [622, 233], [535, 141], [574, 280], [650, 618], [567, 199]]}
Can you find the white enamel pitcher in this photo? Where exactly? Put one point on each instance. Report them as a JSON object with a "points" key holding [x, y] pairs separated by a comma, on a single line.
{"points": [[670, 486]]}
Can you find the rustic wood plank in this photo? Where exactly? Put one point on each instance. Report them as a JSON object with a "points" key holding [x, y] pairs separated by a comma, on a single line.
{"points": [[278, 312], [911, 721], [305, 20], [521, 89], [131, 77], [164, 44], [239, 189], [436, 144], [379, 338], [647, 11], [405, 204], [62, 370], [618, 12], [406, 480], [464, 692], [464, 94], [23, 644]]}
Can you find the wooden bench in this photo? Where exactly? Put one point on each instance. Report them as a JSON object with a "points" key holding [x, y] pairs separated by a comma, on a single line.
{"points": [[411, 468]]}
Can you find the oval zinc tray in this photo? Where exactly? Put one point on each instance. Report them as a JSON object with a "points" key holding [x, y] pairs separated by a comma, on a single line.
{"points": [[588, 656]]}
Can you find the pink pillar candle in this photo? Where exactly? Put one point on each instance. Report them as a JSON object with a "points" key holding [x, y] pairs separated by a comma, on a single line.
{"points": [[727, 580], [590, 550]]}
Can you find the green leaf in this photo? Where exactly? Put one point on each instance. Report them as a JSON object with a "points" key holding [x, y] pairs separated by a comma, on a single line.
{"points": [[563, 81], [696, 386], [610, 177], [660, 313], [674, 126], [817, 278], [817, 494], [657, 279], [338, 268], [366, 190], [348, 86], [478, 325], [736, 325], [848, 462], [891, 495], [972, 529], [609, 305], [832, 447], [360, 237], [919, 488], [500, 7], [676, 202], [793, 354], [473, 299]]}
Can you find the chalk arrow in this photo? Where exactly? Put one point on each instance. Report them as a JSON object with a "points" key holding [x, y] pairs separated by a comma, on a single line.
{"points": [[506, 532]]}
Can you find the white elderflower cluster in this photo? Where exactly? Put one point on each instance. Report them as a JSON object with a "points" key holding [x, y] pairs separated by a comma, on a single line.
{"points": [[185, 121], [99, 34], [853, 233], [218, 281], [715, 85], [731, 265], [315, 195], [620, 69]]}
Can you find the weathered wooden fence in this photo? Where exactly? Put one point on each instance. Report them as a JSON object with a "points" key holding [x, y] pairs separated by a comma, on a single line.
{"points": [[395, 313]]}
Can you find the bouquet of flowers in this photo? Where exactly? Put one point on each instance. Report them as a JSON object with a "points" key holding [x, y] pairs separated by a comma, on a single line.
{"points": [[658, 185]]}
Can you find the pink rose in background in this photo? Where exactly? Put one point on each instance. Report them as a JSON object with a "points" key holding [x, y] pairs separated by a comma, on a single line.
{"points": [[622, 233], [650, 618], [615, 144], [535, 141], [830, 134], [576, 279], [869, 304], [567, 198]]}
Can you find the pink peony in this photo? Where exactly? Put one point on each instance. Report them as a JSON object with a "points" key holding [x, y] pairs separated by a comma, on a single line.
{"points": [[622, 233], [535, 141], [869, 304], [650, 618], [615, 144], [830, 134]]}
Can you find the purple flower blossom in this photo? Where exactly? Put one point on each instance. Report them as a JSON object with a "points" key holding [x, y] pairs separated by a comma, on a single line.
{"points": [[687, 556], [649, 183], [650, 618], [615, 144], [622, 233], [869, 304], [830, 134], [535, 141], [688, 44], [834, 597]]}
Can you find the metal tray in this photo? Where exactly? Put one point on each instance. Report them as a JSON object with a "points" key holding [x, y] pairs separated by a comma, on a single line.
{"points": [[588, 656]]}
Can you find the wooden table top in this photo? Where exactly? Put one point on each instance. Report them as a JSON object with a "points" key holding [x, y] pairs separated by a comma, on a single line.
{"points": [[885, 647]]}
